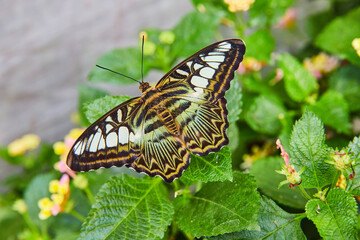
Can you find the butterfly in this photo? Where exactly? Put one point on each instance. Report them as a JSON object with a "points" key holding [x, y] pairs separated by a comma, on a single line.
{"points": [[155, 133]]}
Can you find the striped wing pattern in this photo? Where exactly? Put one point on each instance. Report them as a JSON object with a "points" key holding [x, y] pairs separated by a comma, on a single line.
{"points": [[155, 133]]}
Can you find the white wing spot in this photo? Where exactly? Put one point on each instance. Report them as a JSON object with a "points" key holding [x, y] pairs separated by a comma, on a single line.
{"points": [[214, 54], [119, 116], [219, 49], [225, 45], [111, 140], [108, 128], [123, 135], [109, 119], [182, 72], [189, 64], [199, 81], [213, 64], [89, 142], [102, 143], [77, 148], [83, 145], [197, 66], [95, 141], [207, 72], [198, 91], [214, 58]]}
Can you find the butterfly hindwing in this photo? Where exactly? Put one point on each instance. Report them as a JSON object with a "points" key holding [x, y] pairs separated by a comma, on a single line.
{"points": [[155, 133], [163, 152]]}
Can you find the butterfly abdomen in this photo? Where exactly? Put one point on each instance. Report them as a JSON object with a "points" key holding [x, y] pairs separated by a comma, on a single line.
{"points": [[168, 120]]}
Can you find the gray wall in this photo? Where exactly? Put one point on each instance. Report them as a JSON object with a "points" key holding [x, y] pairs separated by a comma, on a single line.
{"points": [[48, 47]]}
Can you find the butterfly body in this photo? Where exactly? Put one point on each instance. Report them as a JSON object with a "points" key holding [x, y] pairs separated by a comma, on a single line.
{"points": [[155, 133]]}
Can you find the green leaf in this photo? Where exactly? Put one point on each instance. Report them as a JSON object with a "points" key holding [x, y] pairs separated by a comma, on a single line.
{"points": [[37, 189], [219, 207], [354, 147], [210, 168], [333, 110], [129, 208], [274, 222], [308, 151], [279, 224], [268, 181], [337, 36], [233, 133], [346, 81], [86, 95], [260, 45], [126, 61], [14, 160], [97, 108], [234, 103], [194, 31], [266, 13], [334, 218], [263, 114], [299, 82]]}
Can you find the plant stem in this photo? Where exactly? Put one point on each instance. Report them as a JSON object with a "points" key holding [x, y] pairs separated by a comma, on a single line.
{"points": [[77, 215], [31, 224], [90, 195], [304, 193]]}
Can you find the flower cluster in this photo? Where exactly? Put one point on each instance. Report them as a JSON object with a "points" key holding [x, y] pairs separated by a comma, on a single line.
{"points": [[60, 190], [250, 64], [20, 146], [342, 161], [63, 148], [288, 20], [292, 177], [321, 64], [239, 5]]}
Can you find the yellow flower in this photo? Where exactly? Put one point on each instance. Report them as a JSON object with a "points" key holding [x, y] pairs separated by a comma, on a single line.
{"points": [[239, 5], [44, 214], [21, 145], [321, 64], [54, 186], [20, 206], [57, 198], [16, 148], [45, 204], [167, 37], [31, 141], [59, 148], [341, 182], [74, 133], [356, 45]]}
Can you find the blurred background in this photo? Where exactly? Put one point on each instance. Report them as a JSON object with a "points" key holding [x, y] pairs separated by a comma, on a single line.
{"points": [[47, 48]]}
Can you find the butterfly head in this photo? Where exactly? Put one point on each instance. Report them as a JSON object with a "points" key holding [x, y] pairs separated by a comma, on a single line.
{"points": [[144, 86]]}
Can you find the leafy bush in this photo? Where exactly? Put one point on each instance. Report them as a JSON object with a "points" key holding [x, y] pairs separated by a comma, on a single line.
{"points": [[299, 83]]}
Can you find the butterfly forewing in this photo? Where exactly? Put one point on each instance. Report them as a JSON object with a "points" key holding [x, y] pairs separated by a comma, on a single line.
{"points": [[155, 134], [113, 140], [208, 72]]}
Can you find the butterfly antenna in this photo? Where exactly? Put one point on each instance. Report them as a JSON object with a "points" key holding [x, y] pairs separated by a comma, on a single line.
{"points": [[117, 73], [142, 59]]}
